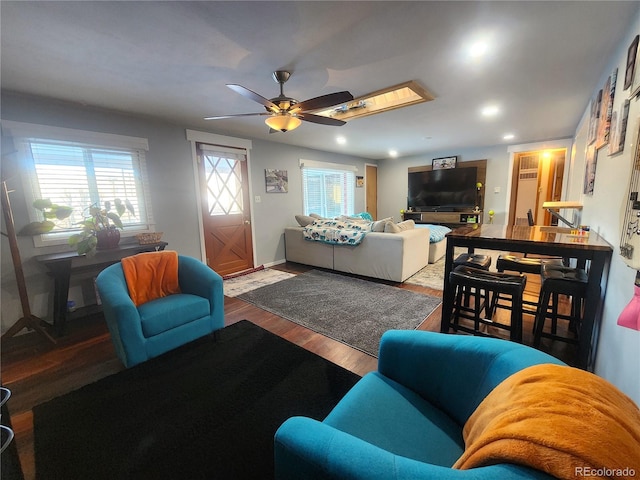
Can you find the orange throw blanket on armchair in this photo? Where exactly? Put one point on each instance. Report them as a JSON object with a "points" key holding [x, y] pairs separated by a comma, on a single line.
{"points": [[566, 422], [151, 275]]}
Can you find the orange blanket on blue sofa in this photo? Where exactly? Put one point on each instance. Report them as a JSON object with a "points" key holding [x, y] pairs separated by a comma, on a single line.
{"points": [[566, 422], [151, 275]]}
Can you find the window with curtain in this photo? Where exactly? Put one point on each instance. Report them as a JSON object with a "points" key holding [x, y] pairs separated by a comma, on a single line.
{"points": [[81, 175], [328, 191]]}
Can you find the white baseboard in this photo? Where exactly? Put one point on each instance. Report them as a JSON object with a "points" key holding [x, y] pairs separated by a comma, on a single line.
{"points": [[277, 262]]}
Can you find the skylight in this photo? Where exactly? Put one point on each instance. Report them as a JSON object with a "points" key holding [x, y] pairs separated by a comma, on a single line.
{"points": [[390, 98]]}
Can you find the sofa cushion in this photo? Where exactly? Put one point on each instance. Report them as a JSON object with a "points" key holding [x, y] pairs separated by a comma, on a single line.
{"points": [[391, 227], [304, 220], [394, 418], [162, 314], [378, 225]]}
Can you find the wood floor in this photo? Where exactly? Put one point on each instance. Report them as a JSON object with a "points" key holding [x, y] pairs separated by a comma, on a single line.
{"points": [[36, 372]]}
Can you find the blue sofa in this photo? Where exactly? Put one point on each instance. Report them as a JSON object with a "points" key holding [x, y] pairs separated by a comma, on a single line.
{"points": [[405, 420], [160, 325]]}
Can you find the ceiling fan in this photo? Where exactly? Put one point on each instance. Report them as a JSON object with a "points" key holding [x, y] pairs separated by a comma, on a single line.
{"points": [[286, 113]]}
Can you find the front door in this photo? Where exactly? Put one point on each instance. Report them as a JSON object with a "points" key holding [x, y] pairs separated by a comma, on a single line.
{"points": [[226, 214]]}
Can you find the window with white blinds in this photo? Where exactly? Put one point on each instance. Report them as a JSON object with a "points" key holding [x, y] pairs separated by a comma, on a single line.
{"points": [[81, 175], [329, 192]]}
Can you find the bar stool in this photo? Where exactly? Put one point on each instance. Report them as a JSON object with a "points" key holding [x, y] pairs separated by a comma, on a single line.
{"points": [[483, 283], [512, 263], [560, 280], [483, 262]]}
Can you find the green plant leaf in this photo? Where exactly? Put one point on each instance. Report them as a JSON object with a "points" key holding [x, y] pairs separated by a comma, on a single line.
{"points": [[87, 246], [129, 206], [62, 211], [36, 228], [120, 208], [115, 219], [42, 203]]}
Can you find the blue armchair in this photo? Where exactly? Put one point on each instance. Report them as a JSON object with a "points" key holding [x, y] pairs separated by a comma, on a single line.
{"points": [[405, 420], [143, 332]]}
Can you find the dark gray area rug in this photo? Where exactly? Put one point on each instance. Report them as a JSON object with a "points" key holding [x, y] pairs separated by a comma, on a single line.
{"points": [[354, 311]]}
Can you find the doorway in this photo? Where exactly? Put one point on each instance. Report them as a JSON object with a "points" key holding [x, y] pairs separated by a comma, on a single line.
{"points": [[537, 177], [225, 207]]}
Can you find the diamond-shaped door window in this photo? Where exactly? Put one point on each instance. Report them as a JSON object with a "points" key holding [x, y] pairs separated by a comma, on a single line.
{"points": [[224, 185]]}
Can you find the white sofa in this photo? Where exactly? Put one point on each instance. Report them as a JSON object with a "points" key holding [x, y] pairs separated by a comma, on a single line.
{"points": [[388, 256]]}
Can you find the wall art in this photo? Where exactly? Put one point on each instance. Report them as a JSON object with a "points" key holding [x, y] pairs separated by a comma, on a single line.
{"points": [[277, 181], [631, 62], [590, 170], [444, 162], [593, 118]]}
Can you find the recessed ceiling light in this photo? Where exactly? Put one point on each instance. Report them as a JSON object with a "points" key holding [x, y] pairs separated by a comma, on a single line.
{"points": [[509, 136], [490, 111], [478, 49], [341, 140], [393, 153]]}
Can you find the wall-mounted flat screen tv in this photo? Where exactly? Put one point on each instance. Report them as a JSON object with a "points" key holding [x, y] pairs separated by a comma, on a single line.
{"points": [[448, 189]]}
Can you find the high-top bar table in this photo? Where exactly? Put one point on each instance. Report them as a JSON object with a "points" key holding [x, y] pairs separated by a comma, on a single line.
{"points": [[552, 241]]}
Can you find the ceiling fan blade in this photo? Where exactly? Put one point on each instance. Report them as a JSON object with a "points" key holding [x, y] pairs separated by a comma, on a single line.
{"points": [[324, 101], [238, 115], [309, 117], [245, 92]]}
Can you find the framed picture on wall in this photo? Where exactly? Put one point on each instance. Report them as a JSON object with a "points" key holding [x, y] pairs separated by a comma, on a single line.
{"points": [[635, 80], [444, 162], [590, 170], [593, 118], [631, 62], [277, 181]]}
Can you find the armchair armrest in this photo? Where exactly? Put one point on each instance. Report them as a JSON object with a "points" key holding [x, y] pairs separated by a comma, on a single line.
{"points": [[121, 315], [198, 279], [454, 372], [306, 449]]}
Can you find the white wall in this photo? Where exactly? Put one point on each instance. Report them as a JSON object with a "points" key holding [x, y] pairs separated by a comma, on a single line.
{"points": [[174, 202], [618, 357]]}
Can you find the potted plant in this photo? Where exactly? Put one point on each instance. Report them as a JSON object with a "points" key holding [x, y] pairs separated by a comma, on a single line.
{"points": [[100, 229]]}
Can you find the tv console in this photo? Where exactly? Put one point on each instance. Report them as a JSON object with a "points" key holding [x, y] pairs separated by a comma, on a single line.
{"points": [[450, 219]]}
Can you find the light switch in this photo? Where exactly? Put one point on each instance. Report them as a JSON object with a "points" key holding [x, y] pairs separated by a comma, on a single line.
{"points": [[258, 199], [496, 189]]}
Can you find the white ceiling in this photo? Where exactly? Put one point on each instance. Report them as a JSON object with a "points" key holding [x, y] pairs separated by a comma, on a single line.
{"points": [[173, 59]]}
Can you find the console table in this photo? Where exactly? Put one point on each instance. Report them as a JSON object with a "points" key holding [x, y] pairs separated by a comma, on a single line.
{"points": [[450, 219], [62, 265]]}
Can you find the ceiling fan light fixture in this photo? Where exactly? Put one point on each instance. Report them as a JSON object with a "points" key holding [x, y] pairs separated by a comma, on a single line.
{"points": [[283, 123]]}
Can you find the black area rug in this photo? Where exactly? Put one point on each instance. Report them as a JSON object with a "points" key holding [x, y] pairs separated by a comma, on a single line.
{"points": [[354, 311], [207, 410]]}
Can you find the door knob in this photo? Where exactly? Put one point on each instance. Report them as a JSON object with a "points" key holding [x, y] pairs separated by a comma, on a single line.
{"points": [[247, 222]]}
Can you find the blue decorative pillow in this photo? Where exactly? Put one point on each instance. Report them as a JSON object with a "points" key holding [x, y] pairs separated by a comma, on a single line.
{"points": [[436, 232]]}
